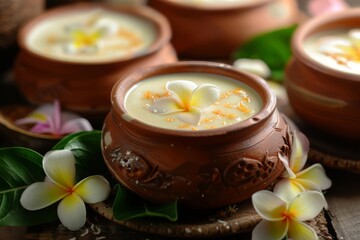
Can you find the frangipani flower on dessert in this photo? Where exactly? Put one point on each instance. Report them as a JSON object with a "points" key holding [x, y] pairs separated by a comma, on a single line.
{"points": [[296, 180], [59, 167], [344, 50], [186, 100], [255, 66], [318, 7], [285, 218], [87, 37], [48, 119]]}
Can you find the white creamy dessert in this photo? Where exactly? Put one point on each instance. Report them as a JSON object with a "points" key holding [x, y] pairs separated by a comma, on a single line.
{"points": [[91, 36], [338, 49], [191, 101]]}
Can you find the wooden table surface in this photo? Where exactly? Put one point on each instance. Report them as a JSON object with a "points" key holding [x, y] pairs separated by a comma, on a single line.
{"points": [[342, 217]]}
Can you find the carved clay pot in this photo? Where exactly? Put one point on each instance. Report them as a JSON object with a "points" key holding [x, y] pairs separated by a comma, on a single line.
{"points": [[204, 31], [203, 169], [326, 98], [85, 87]]}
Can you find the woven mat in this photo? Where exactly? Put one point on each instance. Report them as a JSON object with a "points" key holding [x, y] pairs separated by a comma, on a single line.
{"points": [[234, 219]]}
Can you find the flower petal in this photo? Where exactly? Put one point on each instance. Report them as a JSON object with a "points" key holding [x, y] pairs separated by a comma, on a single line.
{"points": [[255, 66], [56, 117], [75, 125], [41, 128], [166, 105], [59, 166], [289, 173], [72, 212], [319, 7], [299, 153], [267, 230], [192, 117], [316, 173], [183, 90], [287, 189], [204, 96], [93, 189], [41, 194], [332, 44], [300, 231], [308, 185], [268, 205], [106, 26], [39, 115], [306, 205]]}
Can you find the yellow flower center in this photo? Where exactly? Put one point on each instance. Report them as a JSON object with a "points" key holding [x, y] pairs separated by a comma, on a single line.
{"points": [[83, 39]]}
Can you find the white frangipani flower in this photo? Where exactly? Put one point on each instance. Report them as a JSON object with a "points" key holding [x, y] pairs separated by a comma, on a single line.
{"points": [[296, 180], [285, 218], [186, 100], [59, 185]]}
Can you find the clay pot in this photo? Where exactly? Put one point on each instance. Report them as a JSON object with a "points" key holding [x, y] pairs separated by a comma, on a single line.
{"points": [[217, 31], [85, 87], [201, 169], [326, 98], [12, 15]]}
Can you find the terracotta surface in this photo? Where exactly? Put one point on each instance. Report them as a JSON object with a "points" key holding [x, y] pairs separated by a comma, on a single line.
{"points": [[85, 87], [197, 168], [324, 97], [209, 32]]}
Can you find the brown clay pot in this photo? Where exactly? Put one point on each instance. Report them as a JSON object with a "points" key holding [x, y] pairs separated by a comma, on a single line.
{"points": [[12, 15], [326, 98], [203, 169], [85, 87], [216, 32]]}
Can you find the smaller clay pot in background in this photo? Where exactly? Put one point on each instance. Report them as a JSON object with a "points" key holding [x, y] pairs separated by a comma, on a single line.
{"points": [[215, 31], [323, 96], [85, 87]]}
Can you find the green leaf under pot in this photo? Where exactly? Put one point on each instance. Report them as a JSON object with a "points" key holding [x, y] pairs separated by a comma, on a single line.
{"points": [[21, 167], [128, 205], [274, 48]]}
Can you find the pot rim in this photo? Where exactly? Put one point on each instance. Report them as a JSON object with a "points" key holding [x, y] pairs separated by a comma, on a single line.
{"points": [[258, 84], [316, 25], [161, 24], [217, 8]]}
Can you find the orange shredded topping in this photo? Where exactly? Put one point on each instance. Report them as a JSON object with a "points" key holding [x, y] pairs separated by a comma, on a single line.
{"points": [[183, 126], [170, 119], [246, 99], [155, 96], [243, 108]]}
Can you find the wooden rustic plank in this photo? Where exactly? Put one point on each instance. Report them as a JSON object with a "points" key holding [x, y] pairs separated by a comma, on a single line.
{"points": [[344, 204]]}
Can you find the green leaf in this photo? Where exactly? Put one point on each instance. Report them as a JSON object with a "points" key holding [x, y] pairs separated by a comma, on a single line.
{"points": [[274, 48], [21, 167], [86, 147], [128, 206], [62, 143]]}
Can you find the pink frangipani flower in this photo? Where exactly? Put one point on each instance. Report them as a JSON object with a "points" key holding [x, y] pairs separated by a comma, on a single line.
{"points": [[48, 119], [319, 7]]}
